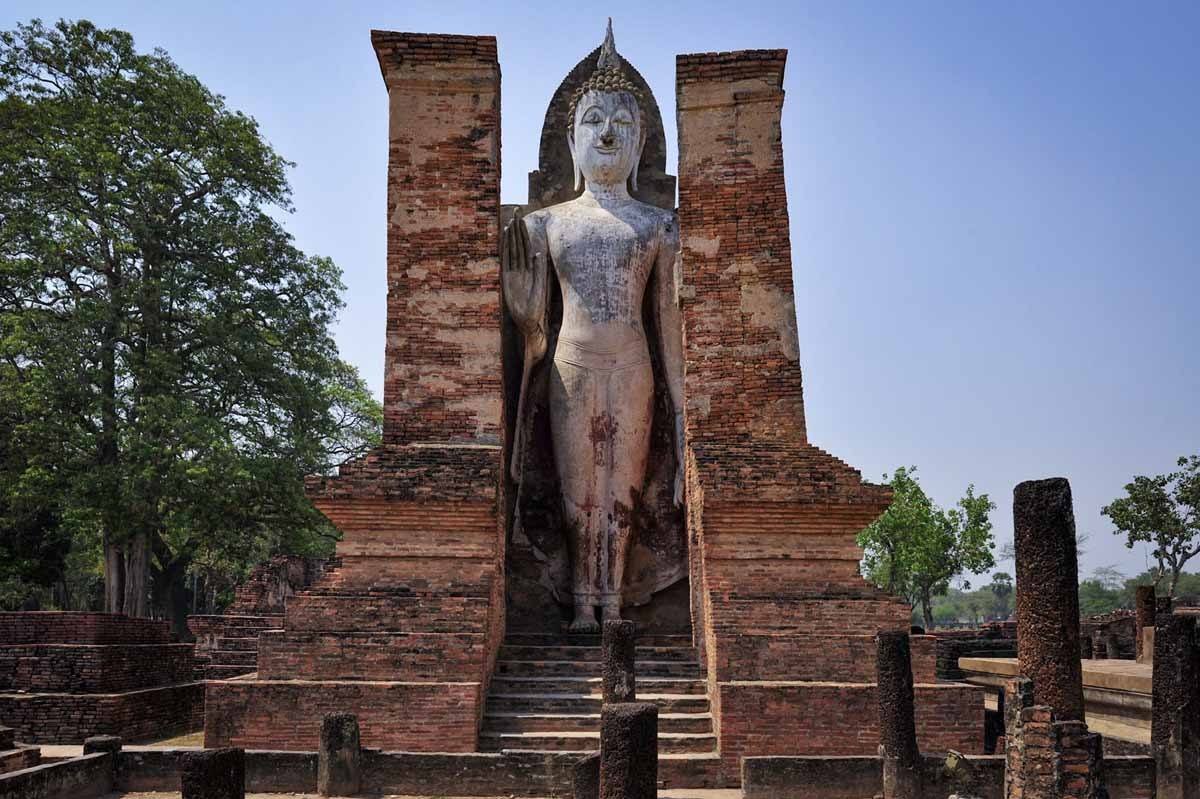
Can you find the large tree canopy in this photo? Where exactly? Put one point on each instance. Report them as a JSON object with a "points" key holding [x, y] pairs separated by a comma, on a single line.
{"points": [[165, 356], [1163, 511], [916, 548]]}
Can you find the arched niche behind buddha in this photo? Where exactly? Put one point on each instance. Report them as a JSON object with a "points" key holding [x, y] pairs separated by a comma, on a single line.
{"points": [[655, 592]]}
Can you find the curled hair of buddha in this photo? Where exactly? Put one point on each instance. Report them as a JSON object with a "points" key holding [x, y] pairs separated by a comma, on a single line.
{"points": [[608, 77]]}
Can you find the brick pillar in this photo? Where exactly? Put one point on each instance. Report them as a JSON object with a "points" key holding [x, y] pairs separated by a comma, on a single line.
{"points": [[442, 377], [772, 519], [897, 725], [339, 770], [619, 648], [1175, 721], [1048, 594], [743, 380], [1144, 614], [629, 751]]}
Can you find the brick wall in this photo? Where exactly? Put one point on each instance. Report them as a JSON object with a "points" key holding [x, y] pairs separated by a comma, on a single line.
{"points": [[442, 375], [837, 719], [142, 715], [69, 627], [393, 716], [69, 668]]}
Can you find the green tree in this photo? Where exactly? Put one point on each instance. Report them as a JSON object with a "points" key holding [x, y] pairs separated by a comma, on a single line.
{"points": [[916, 548], [164, 347], [1163, 511], [1002, 590]]}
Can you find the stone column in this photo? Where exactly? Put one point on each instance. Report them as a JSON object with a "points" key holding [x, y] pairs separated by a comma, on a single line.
{"points": [[339, 771], [1144, 615], [897, 725], [1048, 595], [619, 646], [213, 774], [1175, 723], [629, 751], [109, 744]]}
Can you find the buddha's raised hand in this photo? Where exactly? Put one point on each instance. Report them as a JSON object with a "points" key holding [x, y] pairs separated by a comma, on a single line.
{"points": [[525, 277]]}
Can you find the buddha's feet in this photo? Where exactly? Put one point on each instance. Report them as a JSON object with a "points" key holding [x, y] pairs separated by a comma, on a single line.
{"points": [[585, 621], [610, 613]]}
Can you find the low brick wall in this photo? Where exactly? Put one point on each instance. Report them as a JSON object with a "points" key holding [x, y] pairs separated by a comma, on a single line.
{"points": [[266, 771], [70, 627], [286, 715], [134, 715], [20, 758], [82, 669], [77, 778], [837, 719], [858, 777]]}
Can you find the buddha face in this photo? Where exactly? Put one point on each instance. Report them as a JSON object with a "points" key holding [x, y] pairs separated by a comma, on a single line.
{"points": [[606, 142]]}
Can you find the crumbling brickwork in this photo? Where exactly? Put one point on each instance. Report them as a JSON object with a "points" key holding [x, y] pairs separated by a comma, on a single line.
{"points": [[404, 631], [67, 676], [1048, 758], [773, 519]]}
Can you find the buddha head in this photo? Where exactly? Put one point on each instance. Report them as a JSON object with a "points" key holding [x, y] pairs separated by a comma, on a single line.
{"points": [[606, 132]]}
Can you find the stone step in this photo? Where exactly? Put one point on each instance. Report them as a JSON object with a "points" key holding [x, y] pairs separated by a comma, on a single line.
{"points": [[592, 668], [233, 657], [588, 722], [567, 639], [668, 742], [592, 653], [565, 684], [219, 672], [247, 644], [588, 703]]}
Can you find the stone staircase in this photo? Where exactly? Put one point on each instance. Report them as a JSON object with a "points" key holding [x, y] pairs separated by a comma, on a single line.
{"points": [[545, 696]]}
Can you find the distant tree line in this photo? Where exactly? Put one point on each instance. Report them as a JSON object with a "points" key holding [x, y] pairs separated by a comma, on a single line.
{"points": [[918, 550]]}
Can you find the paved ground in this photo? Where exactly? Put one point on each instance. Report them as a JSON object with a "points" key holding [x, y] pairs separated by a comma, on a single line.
{"points": [[663, 794]]}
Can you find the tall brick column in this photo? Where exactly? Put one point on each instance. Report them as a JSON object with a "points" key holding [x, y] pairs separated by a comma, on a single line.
{"points": [[780, 610], [404, 632], [1175, 721], [1048, 594]]}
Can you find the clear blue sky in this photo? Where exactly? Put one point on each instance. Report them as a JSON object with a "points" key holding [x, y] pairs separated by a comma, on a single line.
{"points": [[994, 210]]}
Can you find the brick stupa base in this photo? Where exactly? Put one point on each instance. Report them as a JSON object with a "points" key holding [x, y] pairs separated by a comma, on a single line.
{"points": [[68, 676]]}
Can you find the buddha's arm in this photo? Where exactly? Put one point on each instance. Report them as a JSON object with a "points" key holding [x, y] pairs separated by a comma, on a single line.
{"points": [[524, 269], [525, 276], [670, 333]]}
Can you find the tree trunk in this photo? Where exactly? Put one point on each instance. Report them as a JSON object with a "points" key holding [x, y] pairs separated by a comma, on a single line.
{"points": [[137, 568], [927, 609], [114, 578], [107, 452]]}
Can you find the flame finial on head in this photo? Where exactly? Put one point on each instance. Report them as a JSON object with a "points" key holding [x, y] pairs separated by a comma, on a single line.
{"points": [[608, 51], [608, 77]]}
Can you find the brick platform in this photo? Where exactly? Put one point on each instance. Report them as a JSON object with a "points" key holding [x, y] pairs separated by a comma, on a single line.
{"points": [[65, 677], [404, 631], [778, 601]]}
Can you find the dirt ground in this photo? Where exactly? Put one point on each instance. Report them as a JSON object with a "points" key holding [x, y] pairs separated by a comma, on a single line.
{"points": [[663, 794]]}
